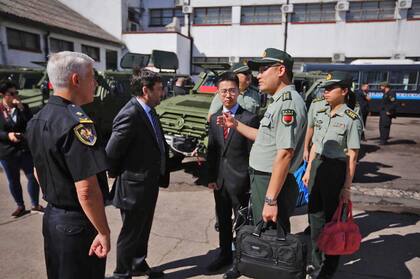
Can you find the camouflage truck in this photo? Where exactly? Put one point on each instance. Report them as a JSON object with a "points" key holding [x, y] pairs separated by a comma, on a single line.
{"points": [[184, 118], [32, 84]]}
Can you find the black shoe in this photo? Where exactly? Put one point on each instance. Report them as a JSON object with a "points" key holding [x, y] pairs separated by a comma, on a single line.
{"points": [[220, 262], [19, 212], [232, 273], [150, 273]]}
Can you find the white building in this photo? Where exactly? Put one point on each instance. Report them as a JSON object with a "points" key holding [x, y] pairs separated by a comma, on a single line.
{"points": [[310, 30], [32, 29], [231, 30]]}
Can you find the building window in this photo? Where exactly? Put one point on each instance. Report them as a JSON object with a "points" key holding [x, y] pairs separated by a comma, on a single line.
{"points": [[111, 59], [162, 17], [315, 12], [21, 40], [261, 14], [197, 60], [57, 45], [414, 11], [93, 52], [222, 15], [371, 10]]}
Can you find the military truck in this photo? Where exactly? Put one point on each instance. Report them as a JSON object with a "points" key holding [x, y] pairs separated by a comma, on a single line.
{"points": [[114, 91], [32, 84], [184, 118]]}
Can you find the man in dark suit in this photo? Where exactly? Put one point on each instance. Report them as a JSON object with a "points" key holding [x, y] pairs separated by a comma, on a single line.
{"points": [[138, 157], [228, 156]]}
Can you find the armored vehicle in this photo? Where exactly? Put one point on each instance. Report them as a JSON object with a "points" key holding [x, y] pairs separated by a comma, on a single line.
{"points": [[184, 118], [32, 84]]}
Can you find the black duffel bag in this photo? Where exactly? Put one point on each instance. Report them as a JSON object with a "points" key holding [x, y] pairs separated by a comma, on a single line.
{"points": [[266, 252]]}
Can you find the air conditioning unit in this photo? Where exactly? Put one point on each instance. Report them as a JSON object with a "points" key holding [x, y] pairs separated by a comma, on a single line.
{"points": [[398, 56], [287, 9], [233, 59], [338, 57], [187, 9], [404, 4], [342, 6]]}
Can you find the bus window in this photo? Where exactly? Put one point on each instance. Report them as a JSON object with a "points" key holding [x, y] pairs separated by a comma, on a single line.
{"points": [[374, 79], [403, 80]]}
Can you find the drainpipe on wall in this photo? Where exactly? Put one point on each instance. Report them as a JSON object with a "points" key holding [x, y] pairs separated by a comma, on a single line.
{"points": [[46, 45], [2, 47], [285, 29], [191, 43]]}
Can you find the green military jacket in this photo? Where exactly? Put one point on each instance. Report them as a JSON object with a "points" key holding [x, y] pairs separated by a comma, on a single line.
{"points": [[282, 127], [249, 100], [334, 135]]}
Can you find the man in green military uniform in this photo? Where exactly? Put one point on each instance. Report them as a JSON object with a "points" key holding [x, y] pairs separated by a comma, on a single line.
{"points": [[278, 147], [249, 97]]}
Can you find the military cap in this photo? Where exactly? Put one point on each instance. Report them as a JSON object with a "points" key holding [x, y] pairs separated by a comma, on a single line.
{"points": [[238, 68], [385, 84], [272, 56], [338, 78]]}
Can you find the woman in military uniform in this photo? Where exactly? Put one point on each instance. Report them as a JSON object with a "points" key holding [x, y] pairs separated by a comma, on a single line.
{"points": [[332, 163]]}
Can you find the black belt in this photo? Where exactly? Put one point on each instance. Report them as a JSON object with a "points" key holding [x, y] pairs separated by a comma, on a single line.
{"points": [[257, 172], [325, 158], [66, 208]]}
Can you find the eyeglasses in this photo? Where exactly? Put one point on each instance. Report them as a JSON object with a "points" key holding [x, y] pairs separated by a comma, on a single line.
{"points": [[230, 91], [12, 93], [262, 69]]}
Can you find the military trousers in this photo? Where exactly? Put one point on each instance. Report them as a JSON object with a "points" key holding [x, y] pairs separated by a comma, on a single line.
{"points": [[385, 122], [286, 200], [328, 180], [68, 236]]}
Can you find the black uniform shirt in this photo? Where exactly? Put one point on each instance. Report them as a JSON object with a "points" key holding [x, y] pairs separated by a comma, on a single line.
{"points": [[65, 149], [389, 102], [361, 98]]}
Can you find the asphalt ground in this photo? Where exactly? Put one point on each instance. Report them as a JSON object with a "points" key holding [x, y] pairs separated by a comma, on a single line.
{"points": [[183, 239]]}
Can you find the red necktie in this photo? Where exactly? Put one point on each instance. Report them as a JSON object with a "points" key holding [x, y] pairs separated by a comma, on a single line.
{"points": [[225, 129]]}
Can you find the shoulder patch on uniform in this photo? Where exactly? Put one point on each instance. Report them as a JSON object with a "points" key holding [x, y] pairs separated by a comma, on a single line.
{"points": [[351, 114], [318, 99], [287, 96], [86, 134], [322, 110], [79, 114], [288, 116]]}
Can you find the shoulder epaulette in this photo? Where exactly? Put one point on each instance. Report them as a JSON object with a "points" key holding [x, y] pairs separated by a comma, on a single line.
{"points": [[287, 96], [318, 99], [351, 114], [322, 110], [78, 114]]}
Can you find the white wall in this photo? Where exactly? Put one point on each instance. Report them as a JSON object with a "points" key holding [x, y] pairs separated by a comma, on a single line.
{"points": [[105, 13], [24, 58], [145, 42]]}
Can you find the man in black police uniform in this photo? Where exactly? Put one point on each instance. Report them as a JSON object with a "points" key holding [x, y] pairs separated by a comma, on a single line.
{"points": [[70, 163], [388, 111], [363, 99]]}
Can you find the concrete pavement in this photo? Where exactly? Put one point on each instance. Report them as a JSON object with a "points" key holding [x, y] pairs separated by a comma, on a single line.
{"points": [[183, 240]]}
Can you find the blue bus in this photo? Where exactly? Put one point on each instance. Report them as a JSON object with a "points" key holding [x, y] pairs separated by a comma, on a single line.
{"points": [[404, 79]]}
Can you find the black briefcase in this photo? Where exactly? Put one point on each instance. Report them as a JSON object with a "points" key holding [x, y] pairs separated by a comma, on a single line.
{"points": [[265, 252]]}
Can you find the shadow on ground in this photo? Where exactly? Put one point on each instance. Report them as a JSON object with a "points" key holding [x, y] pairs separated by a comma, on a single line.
{"points": [[189, 267], [368, 172], [386, 255]]}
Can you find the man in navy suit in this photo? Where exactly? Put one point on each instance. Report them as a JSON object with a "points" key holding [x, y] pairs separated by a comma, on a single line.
{"points": [[228, 156], [139, 158]]}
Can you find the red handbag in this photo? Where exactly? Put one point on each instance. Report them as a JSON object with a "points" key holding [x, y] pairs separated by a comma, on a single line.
{"points": [[340, 237]]}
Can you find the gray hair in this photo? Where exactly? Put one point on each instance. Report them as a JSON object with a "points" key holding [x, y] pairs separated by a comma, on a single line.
{"points": [[62, 65]]}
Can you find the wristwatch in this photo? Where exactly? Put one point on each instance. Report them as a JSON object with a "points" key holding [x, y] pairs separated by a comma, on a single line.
{"points": [[270, 201]]}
